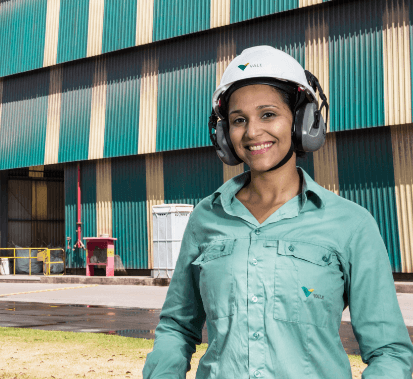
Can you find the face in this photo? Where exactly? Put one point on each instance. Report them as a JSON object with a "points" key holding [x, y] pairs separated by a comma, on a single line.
{"points": [[260, 125]]}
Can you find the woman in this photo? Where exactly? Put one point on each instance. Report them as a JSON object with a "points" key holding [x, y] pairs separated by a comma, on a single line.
{"points": [[271, 259]]}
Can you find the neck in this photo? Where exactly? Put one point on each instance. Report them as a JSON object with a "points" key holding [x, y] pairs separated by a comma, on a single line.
{"points": [[275, 187]]}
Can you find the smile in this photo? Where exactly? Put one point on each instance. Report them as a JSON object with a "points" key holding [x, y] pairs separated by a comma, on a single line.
{"points": [[260, 147]]}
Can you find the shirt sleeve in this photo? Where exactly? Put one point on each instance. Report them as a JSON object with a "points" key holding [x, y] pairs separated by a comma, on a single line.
{"points": [[181, 319], [375, 313]]}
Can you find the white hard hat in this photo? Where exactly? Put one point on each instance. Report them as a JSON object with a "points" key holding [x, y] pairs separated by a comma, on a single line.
{"points": [[260, 62]]}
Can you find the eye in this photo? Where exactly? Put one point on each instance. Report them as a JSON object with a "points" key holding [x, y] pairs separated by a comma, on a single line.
{"points": [[268, 115], [238, 120]]}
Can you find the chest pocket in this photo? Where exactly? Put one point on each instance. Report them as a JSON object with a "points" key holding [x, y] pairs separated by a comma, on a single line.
{"points": [[303, 283], [216, 280]]}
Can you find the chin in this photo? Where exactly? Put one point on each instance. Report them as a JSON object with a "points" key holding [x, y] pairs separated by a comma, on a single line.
{"points": [[261, 167]]}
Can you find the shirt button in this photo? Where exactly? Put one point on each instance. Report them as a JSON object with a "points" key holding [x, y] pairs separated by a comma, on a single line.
{"points": [[257, 374], [325, 259], [254, 262], [254, 299], [256, 335], [291, 248], [257, 232]]}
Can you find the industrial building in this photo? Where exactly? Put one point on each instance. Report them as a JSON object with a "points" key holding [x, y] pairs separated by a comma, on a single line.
{"points": [[121, 90]]}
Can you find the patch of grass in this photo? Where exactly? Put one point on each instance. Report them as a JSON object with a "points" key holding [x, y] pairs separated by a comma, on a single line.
{"points": [[45, 336], [39, 354]]}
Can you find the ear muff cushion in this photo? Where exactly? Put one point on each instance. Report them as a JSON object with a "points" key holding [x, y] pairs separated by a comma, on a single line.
{"points": [[227, 153]]}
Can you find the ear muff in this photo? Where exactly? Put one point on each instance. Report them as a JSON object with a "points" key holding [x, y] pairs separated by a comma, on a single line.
{"points": [[309, 132], [310, 128], [219, 135]]}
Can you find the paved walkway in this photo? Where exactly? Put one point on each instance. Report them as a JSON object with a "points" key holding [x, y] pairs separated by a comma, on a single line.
{"points": [[129, 296]]}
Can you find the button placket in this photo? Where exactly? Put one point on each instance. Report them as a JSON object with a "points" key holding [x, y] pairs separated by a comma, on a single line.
{"points": [[256, 274]]}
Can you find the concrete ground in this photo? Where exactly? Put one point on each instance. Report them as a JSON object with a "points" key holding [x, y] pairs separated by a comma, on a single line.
{"points": [[130, 296]]}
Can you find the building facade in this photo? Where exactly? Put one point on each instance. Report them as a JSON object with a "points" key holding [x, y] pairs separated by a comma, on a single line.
{"points": [[122, 90]]}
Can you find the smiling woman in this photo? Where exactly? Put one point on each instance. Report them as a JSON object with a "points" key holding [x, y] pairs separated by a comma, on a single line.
{"points": [[271, 258]]}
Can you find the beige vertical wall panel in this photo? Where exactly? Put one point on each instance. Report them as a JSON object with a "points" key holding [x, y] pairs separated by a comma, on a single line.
{"points": [[220, 13], [317, 53], [39, 200], [51, 154], [144, 22], [226, 52], [95, 27], [148, 108], [307, 3], [396, 63], [325, 165], [402, 142], [154, 194], [98, 110], [232, 171], [52, 33], [104, 196]]}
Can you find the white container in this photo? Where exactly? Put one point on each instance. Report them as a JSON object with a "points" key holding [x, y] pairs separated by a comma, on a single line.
{"points": [[4, 266], [169, 223]]}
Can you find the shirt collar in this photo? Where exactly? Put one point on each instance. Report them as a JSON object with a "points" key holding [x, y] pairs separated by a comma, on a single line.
{"points": [[310, 191]]}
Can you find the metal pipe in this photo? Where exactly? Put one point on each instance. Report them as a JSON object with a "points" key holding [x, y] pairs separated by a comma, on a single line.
{"points": [[79, 244], [79, 207]]}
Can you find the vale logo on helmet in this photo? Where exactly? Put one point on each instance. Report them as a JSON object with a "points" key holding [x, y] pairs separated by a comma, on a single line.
{"points": [[244, 66]]}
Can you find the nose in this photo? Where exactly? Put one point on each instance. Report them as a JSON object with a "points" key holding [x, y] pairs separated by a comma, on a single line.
{"points": [[253, 129]]}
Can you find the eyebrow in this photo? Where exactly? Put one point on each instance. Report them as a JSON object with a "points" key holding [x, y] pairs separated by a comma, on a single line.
{"points": [[259, 107]]}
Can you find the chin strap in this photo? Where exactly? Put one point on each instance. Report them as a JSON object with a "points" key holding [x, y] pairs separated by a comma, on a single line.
{"points": [[285, 159]]}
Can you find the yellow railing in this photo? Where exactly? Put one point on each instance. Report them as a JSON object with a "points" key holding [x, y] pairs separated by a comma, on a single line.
{"points": [[47, 262], [42, 255]]}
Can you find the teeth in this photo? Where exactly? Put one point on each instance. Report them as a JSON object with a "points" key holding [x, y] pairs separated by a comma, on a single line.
{"points": [[260, 147]]}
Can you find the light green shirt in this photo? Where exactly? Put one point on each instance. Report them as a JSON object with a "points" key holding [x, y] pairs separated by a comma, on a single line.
{"points": [[273, 293]]}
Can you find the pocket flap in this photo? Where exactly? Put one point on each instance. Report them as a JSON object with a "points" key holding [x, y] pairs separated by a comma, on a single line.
{"points": [[214, 251], [311, 253]]}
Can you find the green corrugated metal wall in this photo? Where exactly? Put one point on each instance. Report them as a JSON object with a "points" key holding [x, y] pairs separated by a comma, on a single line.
{"points": [[187, 79], [191, 175], [73, 28], [307, 164], [356, 65], [411, 44], [172, 18], [22, 35], [366, 176], [129, 211], [122, 105], [119, 25], [88, 186], [186, 82], [284, 32], [246, 9], [23, 120], [75, 125]]}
